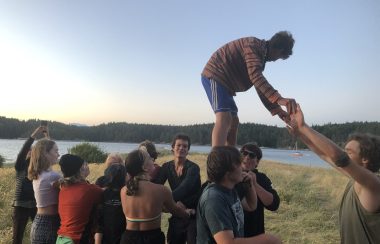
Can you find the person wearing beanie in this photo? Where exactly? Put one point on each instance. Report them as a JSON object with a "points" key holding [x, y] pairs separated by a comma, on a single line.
{"points": [[77, 201]]}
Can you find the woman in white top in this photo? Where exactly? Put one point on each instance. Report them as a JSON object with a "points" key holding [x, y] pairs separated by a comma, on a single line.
{"points": [[45, 225]]}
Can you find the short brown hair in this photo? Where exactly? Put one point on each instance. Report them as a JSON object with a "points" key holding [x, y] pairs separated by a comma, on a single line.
{"points": [[221, 159], [284, 41], [369, 149]]}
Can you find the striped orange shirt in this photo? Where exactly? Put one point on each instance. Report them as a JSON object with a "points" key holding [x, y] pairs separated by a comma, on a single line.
{"points": [[238, 65]]}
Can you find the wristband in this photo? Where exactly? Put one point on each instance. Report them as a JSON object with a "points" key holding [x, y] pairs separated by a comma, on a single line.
{"points": [[343, 160]]}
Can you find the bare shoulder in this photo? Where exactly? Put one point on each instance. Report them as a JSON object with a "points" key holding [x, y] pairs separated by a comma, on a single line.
{"points": [[369, 197]]}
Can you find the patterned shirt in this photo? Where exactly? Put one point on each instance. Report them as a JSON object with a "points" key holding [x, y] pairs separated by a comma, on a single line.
{"points": [[238, 65]]}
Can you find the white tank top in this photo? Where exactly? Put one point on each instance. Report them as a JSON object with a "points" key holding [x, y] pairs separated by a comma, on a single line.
{"points": [[44, 192]]}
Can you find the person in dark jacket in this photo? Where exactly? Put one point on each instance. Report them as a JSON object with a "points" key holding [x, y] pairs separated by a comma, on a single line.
{"points": [[267, 196], [24, 203], [185, 182], [111, 219]]}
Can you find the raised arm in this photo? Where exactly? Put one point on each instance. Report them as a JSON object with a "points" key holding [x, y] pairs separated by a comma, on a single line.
{"points": [[335, 156], [21, 157]]}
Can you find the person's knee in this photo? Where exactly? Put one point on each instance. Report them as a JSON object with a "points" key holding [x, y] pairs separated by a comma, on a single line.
{"points": [[223, 119], [234, 122]]}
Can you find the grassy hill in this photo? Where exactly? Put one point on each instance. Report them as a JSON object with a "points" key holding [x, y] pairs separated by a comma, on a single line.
{"points": [[308, 211]]}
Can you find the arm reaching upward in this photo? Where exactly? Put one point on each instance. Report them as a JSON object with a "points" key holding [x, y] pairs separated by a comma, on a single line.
{"points": [[352, 165]]}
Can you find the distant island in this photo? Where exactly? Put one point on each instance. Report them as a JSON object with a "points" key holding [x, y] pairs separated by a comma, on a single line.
{"points": [[200, 134]]}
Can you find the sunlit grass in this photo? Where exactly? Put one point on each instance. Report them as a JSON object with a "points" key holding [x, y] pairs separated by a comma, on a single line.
{"points": [[308, 211]]}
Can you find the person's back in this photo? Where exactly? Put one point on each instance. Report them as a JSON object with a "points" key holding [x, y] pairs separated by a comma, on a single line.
{"points": [[77, 200], [143, 211], [143, 202], [111, 220], [76, 203]]}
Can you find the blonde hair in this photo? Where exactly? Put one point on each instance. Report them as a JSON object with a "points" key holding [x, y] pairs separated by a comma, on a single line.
{"points": [[38, 160], [113, 158]]}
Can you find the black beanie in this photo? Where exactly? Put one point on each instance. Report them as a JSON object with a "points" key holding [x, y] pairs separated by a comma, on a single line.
{"points": [[70, 164]]}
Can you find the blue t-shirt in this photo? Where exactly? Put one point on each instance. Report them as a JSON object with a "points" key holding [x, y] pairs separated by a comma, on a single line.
{"points": [[219, 209]]}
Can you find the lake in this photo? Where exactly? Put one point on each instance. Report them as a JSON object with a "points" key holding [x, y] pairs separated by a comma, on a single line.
{"points": [[10, 148]]}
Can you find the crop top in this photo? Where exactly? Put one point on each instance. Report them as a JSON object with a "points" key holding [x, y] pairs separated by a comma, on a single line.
{"points": [[44, 192]]}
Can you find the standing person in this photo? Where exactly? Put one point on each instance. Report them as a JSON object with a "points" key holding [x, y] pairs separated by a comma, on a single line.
{"points": [[185, 182], [77, 200], [267, 196], [45, 224], [236, 67], [111, 220], [359, 213], [24, 203], [220, 217], [143, 202]]}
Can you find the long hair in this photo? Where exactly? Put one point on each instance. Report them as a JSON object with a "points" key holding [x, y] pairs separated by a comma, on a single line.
{"points": [[134, 166], [38, 161]]}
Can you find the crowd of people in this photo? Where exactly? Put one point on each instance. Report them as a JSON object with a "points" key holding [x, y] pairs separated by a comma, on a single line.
{"points": [[125, 205]]}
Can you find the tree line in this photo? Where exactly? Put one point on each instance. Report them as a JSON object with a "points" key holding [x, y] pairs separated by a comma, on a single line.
{"points": [[264, 135]]}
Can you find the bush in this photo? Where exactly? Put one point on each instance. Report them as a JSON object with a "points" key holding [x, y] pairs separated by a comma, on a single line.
{"points": [[91, 153], [2, 160]]}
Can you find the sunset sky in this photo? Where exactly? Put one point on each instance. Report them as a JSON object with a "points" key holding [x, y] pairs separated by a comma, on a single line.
{"points": [[93, 62]]}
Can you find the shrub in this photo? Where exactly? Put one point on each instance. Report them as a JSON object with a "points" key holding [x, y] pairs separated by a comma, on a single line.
{"points": [[91, 153], [2, 160]]}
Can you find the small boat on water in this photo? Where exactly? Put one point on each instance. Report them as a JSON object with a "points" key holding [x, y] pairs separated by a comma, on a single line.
{"points": [[296, 153]]}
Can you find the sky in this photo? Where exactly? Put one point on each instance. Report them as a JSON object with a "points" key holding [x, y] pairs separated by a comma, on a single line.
{"points": [[93, 62]]}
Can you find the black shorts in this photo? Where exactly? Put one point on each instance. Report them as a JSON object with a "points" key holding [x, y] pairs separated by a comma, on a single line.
{"points": [[155, 236]]}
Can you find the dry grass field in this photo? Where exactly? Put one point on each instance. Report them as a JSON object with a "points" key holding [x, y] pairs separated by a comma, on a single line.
{"points": [[308, 211]]}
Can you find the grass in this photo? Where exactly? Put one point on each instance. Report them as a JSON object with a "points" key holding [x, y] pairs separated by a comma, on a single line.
{"points": [[308, 211]]}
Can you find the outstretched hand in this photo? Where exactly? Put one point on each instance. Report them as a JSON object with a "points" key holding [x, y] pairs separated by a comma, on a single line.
{"points": [[284, 116], [289, 103], [297, 121]]}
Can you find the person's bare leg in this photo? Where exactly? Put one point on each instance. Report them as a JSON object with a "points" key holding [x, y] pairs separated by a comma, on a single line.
{"points": [[222, 125], [232, 132]]}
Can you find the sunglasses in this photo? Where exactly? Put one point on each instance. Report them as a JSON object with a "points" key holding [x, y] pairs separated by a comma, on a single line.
{"points": [[252, 155]]}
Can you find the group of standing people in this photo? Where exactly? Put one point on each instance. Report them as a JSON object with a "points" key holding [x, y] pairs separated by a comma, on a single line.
{"points": [[228, 208], [236, 67], [126, 203]]}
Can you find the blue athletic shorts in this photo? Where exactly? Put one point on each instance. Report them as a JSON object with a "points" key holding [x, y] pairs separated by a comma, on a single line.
{"points": [[219, 97]]}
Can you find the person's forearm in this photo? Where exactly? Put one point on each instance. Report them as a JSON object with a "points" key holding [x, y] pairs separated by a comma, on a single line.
{"points": [[250, 200], [321, 145], [265, 196]]}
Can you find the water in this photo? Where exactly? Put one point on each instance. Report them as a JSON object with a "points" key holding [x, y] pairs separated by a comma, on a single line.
{"points": [[10, 148]]}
